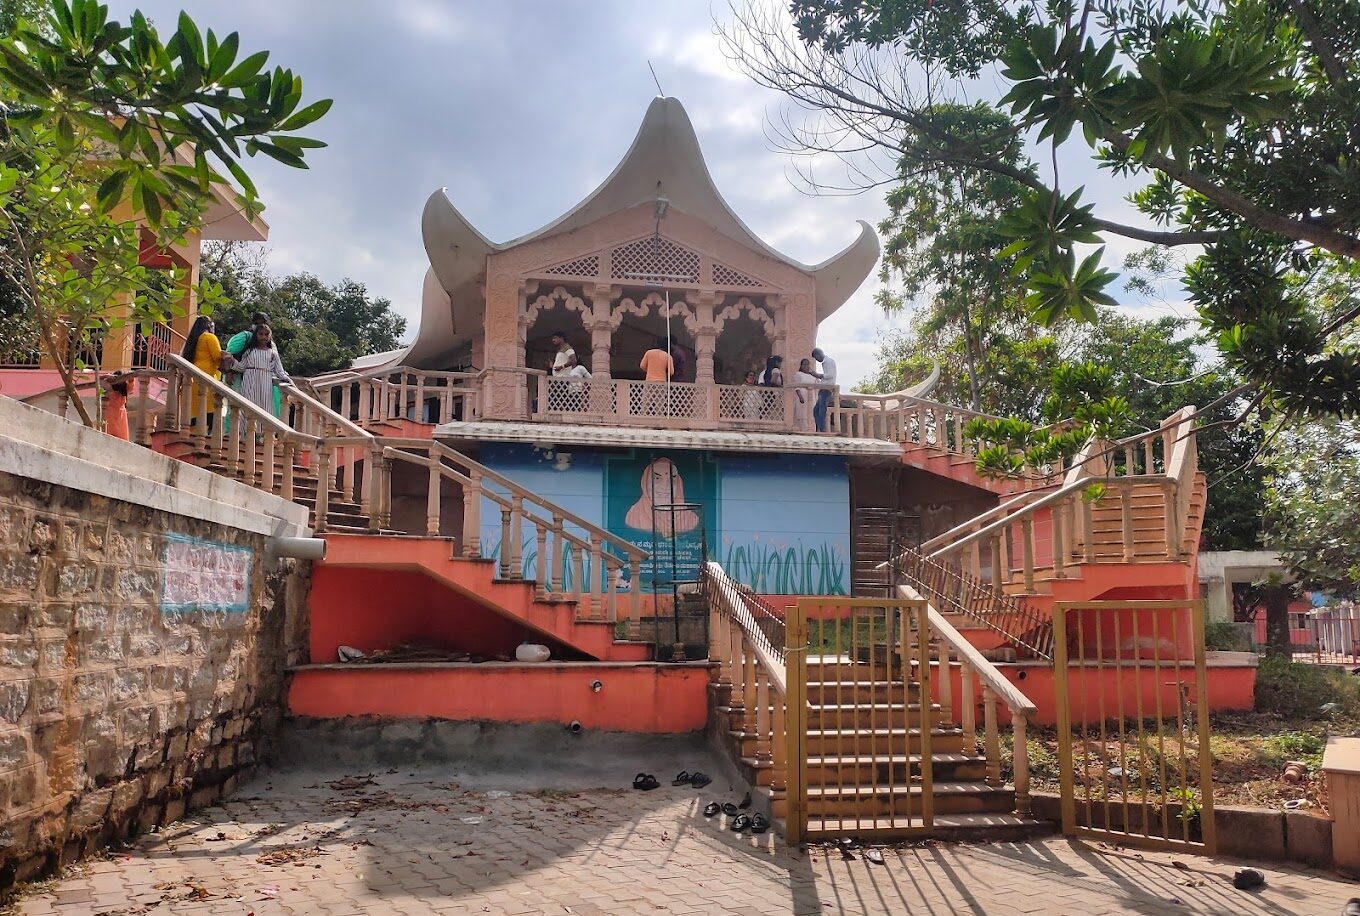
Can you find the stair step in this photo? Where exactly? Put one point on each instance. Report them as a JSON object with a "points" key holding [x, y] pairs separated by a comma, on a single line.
{"points": [[888, 800], [956, 827]]}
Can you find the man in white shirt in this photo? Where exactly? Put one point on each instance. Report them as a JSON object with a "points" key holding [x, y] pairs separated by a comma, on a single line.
{"points": [[564, 353], [828, 377]]}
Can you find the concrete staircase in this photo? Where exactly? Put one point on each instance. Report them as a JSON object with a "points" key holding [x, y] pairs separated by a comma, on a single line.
{"points": [[578, 627]]}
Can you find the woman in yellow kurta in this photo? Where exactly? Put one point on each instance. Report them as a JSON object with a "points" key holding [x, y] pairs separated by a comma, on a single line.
{"points": [[205, 351]]}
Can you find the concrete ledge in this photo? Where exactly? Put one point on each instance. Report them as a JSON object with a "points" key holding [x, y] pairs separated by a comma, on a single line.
{"points": [[652, 698], [1248, 833], [43, 446]]}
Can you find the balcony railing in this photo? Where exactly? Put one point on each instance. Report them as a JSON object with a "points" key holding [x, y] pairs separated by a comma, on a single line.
{"points": [[682, 405]]}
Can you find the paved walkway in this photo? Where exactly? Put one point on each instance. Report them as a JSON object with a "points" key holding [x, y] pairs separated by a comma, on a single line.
{"points": [[420, 842]]}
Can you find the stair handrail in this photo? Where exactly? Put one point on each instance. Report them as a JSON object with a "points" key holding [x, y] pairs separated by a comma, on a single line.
{"points": [[344, 423], [1007, 615], [240, 402], [476, 479], [436, 464], [995, 686], [1016, 502], [752, 677], [627, 547]]}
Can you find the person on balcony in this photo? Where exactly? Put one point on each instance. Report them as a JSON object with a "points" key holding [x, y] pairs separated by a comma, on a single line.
{"points": [[204, 350], [750, 397], [772, 376], [658, 368], [827, 377], [563, 354], [260, 368], [801, 394]]}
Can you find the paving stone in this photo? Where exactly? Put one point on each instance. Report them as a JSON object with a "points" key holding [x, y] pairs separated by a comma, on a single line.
{"points": [[389, 849]]}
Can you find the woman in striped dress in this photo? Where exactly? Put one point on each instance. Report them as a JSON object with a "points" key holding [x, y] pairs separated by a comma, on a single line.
{"points": [[260, 368]]}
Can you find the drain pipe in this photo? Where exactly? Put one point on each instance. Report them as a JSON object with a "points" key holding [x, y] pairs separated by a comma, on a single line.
{"points": [[297, 548]]}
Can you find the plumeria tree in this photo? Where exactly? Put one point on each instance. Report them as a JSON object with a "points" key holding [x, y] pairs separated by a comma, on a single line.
{"points": [[116, 141]]}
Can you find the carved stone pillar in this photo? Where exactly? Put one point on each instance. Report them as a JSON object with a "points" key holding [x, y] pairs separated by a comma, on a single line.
{"points": [[705, 337], [502, 347], [601, 330]]}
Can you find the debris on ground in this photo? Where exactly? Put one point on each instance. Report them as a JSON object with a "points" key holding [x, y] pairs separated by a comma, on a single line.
{"points": [[1245, 879]]}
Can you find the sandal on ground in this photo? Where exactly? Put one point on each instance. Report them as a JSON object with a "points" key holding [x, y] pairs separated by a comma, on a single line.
{"points": [[874, 855], [698, 780], [681, 778], [745, 802], [645, 782], [730, 810], [711, 809], [759, 824], [739, 823], [848, 844]]}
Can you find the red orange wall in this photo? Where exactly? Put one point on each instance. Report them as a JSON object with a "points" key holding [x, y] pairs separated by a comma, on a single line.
{"points": [[378, 609], [633, 697]]}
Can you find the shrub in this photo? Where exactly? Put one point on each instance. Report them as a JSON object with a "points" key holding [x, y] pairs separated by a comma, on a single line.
{"points": [[1298, 692], [1227, 636]]}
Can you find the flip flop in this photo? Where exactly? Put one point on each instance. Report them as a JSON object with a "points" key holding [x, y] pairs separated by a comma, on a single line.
{"points": [[874, 855], [848, 844], [698, 780], [711, 809], [745, 802], [739, 823], [645, 782], [759, 824], [730, 810], [681, 778]]}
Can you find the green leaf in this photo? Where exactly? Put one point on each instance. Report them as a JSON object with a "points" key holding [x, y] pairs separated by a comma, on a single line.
{"points": [[311, 113]]}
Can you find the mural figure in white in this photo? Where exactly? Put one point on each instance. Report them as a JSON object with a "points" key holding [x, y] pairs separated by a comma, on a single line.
{"points": [[661, 486]]}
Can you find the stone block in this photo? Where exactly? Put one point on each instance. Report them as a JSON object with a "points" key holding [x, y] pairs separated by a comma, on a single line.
{"points": [[179, 744], [91, 810], [1250, 832], [174, 810], [15, 751], [15, 697], [1308, 838], [202, 798], [126, 795], [156, 782]]}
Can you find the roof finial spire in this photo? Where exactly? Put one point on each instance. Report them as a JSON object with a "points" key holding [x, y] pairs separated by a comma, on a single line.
{"points": [[659, 91]]}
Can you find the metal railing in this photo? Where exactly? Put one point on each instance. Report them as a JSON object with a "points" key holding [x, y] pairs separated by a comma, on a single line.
{"points": [[1135, 763], [952, 592]]}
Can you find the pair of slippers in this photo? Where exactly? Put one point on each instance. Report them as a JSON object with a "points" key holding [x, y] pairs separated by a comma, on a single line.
{"points": [[848, 845], [646, 782], [756, 823]]}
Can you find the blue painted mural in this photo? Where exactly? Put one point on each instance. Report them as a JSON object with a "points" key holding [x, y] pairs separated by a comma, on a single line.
{"points": [[778, 523]]}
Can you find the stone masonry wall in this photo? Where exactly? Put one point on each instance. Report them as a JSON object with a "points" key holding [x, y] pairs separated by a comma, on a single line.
{"points": [[122, 702]]}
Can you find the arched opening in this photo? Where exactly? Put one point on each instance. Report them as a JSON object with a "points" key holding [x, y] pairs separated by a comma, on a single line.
{"points": [[637, 333], [560, 309], [742, 345]]}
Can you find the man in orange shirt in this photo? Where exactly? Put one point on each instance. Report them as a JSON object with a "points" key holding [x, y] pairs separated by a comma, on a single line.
{"points": [[657, 363], [659, 367]]}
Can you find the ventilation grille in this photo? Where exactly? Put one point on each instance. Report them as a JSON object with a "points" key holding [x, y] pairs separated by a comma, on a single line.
{"points": [[657, 258], [588, 266], [726, 276]]}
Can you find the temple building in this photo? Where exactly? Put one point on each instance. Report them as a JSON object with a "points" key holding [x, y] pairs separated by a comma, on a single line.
{"points": [[653, 254]]}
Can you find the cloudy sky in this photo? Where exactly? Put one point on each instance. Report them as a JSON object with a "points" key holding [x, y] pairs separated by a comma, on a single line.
{"points": [[520, 108]]}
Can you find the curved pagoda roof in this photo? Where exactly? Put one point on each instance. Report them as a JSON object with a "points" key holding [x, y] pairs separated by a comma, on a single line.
{"points": [[664, 160]]}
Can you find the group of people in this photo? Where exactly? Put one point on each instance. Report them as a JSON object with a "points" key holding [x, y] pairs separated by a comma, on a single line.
{"points": [[250, 358], [772, 376], [659, 365]]}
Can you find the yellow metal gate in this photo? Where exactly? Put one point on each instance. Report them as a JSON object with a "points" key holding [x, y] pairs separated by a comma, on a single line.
{"points": [[1133, 724], [859, 718]]}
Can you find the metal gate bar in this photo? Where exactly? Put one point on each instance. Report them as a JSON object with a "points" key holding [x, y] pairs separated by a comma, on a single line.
{"points": [[1135, 681]]}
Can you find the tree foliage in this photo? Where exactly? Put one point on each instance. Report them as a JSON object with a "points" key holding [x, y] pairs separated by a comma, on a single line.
{"points": [[1312, 506], [1037, 375], [318, 327], [110, 130], [1238, 118]]}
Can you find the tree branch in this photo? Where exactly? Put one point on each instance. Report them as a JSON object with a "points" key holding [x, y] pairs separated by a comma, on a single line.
{"points": [[1321, 41]]}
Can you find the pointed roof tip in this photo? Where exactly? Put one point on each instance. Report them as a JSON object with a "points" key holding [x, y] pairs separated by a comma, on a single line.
{"points": [[665, 152]]}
